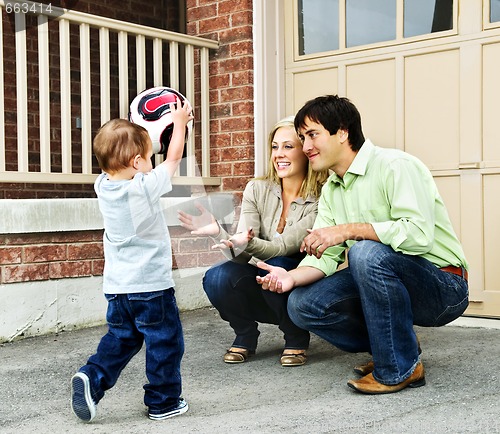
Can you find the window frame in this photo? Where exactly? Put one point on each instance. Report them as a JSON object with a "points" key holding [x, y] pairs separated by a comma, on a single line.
{"points": [[400, 39], [487, 24]]}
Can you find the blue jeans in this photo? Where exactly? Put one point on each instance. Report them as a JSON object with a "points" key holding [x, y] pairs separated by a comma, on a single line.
{"points": [[150, 317], [233, 290], [373, 304]]}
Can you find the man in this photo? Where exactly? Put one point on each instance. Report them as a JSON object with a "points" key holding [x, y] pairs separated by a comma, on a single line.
{"points": [[405, 263]]}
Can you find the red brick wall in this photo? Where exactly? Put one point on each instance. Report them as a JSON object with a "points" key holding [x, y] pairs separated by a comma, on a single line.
{"points": [[230, 22], [46, 256], [53, 256], [32, 257], [162, 14]]}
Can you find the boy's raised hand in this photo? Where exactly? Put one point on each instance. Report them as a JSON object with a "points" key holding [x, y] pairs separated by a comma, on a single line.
{"points": [[182, 113]]}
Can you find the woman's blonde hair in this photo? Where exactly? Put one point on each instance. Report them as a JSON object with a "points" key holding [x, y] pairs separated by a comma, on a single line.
{"points": [[117, 142], [311, 186]]}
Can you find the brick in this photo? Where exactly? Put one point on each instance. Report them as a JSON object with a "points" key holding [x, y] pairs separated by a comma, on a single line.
{"points": [[237, 94], [85, 251], [239, 64], [244, 168], [200, 13], [181, 261], [232, 6], [213, 24], [193, 245], [25, 273], [237, 124], [240, 78], [237, 153], [10, 255], [210, 258], [97, 267], [235, 183], [45, 253], [244, 138], [59, 270], [243, 18], [243, 108]]}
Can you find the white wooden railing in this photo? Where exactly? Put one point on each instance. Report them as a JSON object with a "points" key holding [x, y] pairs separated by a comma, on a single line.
{"points": [[113, 40]]}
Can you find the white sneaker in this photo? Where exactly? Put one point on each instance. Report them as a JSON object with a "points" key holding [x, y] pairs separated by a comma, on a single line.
{"points": [[82, 403], [181, 408]]}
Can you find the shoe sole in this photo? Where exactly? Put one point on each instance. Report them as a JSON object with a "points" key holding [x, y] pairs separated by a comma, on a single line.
{"points": [[173, 413], [414, 385], [82, 403]]}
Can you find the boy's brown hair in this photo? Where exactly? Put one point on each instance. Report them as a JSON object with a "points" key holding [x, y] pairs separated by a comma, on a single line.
{"points": [[117, 142]]}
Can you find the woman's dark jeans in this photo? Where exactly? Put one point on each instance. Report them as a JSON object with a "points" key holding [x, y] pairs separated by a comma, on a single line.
{"points": [[233, 290]]}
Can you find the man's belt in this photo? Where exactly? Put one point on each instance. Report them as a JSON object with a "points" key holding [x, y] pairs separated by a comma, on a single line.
{"points": [[459, 271]]}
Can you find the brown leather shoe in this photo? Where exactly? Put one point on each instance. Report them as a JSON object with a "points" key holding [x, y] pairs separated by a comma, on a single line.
{"points": [[370, 386], [298, 359], [369, 366], [239, 356]]}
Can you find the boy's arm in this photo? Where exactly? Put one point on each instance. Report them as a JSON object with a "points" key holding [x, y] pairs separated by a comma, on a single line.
{"points": [[181, 115]]}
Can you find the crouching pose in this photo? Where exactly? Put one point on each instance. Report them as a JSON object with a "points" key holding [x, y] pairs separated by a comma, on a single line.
{"points": [[275, 214], [406, 266]]}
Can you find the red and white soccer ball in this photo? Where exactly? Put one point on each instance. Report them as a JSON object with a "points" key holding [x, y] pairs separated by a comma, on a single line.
{"points": [[151, 110]]}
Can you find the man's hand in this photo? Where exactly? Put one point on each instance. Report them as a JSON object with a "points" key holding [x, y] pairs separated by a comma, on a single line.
{"points": [[277, 280], [319, 240]]}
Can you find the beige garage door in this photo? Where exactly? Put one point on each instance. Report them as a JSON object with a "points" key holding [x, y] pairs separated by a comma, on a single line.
{"points": [[428, 84]]}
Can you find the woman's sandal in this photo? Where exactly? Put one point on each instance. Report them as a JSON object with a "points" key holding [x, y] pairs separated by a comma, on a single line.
{"points": [[298, 359], [237, 356]]}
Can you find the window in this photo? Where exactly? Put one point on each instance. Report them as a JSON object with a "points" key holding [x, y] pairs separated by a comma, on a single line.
{"points": [[427, 16], [494, 11], [318, 26], [369, 21], [365, 22]]}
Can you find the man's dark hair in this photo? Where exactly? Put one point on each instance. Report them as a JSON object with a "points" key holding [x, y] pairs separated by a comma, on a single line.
{"points": [[334, 113]]}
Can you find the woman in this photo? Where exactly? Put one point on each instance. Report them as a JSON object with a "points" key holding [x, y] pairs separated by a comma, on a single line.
{"points": [[276, 212]]}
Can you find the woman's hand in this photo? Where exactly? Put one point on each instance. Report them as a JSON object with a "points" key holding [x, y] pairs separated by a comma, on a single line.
{"points": [[203, 224], [277, 280], [242, 238], [237, 242]]}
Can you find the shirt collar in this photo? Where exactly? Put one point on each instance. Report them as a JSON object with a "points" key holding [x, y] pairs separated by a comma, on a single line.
{"points": [[359, 164]]}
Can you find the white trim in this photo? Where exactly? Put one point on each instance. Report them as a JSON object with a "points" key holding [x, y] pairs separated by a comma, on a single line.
{"points": [[269, 75], [64, 215]]}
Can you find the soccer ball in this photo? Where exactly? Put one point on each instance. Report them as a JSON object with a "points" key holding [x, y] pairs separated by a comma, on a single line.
{"points": [[151, 110]]}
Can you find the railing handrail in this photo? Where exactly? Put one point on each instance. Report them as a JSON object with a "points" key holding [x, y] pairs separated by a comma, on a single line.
{"points": [[104, 25], [110, 23]]}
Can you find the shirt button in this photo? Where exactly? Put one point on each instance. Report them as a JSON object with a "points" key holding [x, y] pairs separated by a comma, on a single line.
{"points": [[294, 207]]}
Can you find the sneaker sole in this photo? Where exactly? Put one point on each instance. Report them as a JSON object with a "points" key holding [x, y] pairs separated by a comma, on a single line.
{"points": [[168, 415], [81, 400]]}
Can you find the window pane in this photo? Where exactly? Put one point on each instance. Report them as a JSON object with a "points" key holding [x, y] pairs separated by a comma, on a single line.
{"points": [[427, 16], [318, 26], [369, 21], [494, 10]]}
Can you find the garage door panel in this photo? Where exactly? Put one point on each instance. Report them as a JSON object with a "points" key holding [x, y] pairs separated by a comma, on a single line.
{"points": [[432, 108], [377, 104]]}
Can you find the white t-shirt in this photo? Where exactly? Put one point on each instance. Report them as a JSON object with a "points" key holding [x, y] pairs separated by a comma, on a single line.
{"points": [[137, 247]]}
